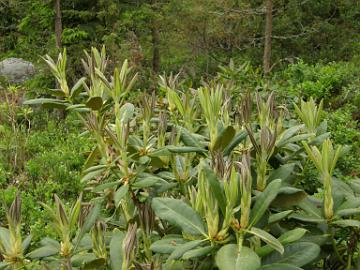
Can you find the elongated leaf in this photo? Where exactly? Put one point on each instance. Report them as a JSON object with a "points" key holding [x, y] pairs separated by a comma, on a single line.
{"points": [[288, 196], [78, 87], [92, 174], [25, 244], [280, 266], [116, 250], [82, 258], [94, 103], [161, 152], [350, 203], [355, 185], [43, 252], [267, 238], [146, 182], [279, 216], [297, 254], [47, 103], [230, 258], [216, 188], [5, 238], [120, 194], [185, 149], [347, 223], [180, 214], [89, 221], [264, 200], [348, 212], [94, 264], [40, 101], [188, 139], [104, 186], [198, 252], [282, 172], [286, 238], [287, 134], [126, 112], [302, 216], [224, 138], [180, 250], [235, 142], [312, 207], [167, 245]]}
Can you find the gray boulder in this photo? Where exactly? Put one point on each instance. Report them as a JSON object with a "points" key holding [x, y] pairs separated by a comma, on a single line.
{"points": [[16, 70]]}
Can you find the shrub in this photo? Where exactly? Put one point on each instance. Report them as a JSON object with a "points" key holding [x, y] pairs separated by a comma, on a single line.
{"points": [[194, 181]]}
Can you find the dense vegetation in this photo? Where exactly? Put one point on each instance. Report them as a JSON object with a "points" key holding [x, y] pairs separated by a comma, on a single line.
{"points": [[239, 161]]}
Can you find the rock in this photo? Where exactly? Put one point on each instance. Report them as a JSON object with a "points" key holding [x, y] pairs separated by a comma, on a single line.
{"points": [[16, 70]]}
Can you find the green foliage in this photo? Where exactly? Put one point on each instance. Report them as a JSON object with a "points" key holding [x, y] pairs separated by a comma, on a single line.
{"points": [[319, 80], [181, 181]]}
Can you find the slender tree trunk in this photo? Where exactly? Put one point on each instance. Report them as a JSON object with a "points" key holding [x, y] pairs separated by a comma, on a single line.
{"points": [[268, 33], [155, 36], [58, 23], [156, 50], [58, 32]]}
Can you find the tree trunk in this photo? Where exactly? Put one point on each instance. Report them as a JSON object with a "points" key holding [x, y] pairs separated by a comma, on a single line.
{"points": [[58, 32], [155, 44], [268, 33], [156, 49], [58, 23]]}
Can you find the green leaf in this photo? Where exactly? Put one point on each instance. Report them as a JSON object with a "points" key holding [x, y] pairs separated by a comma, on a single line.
{"points": [[89, 222], [216, 188], [235, 142], [347, 223], [104, 186], [312, 207], [47, 103], [267, 238], [180, 214], [94, 103], [56, 92], [120, 194], [297, 254], [198, 252], [82, 258], [43, 252], [126, 112], [279, 216], [287, 134], [188, 138], [282, 172], [26, 243], [167, 245], [76, 89], [224, 138], [230, 258], [263, 200], [146, 182], [355, 185], [161, 152], [280, 266], [185, 149], [180, 250], [116, 250], [94, 264], [92, 172], [307, 218], [5, 238], [288, 196], [286, 238], [348, 212], [175, 101]]}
